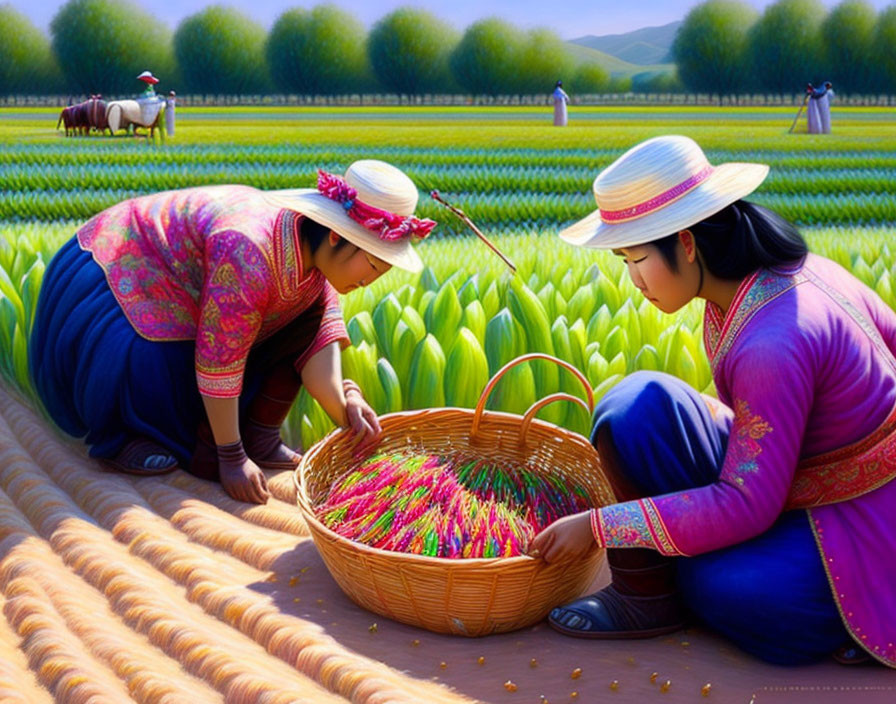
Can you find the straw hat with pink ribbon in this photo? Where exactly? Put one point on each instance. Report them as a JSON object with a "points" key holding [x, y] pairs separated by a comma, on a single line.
{"points": [[372, 206], [657, 188]]}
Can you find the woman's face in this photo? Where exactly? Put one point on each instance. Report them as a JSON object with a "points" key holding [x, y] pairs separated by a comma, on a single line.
{"points": [[348, 267], [668, 290]]}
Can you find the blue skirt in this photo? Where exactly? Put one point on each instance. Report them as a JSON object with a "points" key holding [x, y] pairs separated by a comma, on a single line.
{"points": [[769, 595], [99, 379]]}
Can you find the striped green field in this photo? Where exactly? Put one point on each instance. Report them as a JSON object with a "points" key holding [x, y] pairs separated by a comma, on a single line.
{"points": [[517, 176]]}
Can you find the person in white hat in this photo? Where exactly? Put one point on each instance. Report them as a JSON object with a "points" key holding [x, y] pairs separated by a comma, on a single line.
{"points": [[765, 513], [150, 81], [176, 329], [149, 102]]}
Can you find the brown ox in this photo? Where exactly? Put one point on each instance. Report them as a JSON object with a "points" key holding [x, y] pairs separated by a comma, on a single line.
{"points": [[96, 114], [83, 117], [66, 118]]}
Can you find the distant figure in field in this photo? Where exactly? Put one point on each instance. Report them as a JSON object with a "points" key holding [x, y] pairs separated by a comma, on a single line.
{"points": [[560, 101], [825, 107], [818, 110], [149, 101], [169, 112], [150, 81]]}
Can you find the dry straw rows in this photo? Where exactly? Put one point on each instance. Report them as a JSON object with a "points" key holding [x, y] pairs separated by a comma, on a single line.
{"points": [[158, 590]]}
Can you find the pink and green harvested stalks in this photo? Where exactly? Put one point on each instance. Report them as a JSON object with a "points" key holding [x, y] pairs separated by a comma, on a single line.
{"points": [[455, 508]]}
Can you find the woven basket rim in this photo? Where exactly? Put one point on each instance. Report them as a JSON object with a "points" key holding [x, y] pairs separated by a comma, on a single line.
{"points": [[307, 510]]}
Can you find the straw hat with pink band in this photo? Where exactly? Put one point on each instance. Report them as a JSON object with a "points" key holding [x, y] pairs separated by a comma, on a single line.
{"points": [[372, 206], [657, 188]]}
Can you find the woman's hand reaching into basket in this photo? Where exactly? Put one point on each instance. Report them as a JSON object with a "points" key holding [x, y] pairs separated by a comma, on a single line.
{"points": [[362, 420], [566, 539]]}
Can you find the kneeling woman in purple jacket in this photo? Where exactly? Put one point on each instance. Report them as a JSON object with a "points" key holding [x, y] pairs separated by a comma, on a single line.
{"points": [[766, 513]]}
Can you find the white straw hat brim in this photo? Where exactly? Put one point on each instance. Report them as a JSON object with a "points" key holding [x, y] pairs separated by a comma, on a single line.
{"points": [[727, 183], [311, 203]]}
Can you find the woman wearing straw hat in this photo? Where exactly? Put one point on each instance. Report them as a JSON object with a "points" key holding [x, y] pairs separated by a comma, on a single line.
{"points": [[768, 514], [177, 328]]}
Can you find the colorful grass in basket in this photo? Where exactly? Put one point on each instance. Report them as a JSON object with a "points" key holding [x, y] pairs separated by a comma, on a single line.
{"points": [[429, 505]]}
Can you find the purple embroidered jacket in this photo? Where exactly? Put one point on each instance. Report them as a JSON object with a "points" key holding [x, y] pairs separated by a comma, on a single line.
{"points": [[218, 265], [805, 359]]}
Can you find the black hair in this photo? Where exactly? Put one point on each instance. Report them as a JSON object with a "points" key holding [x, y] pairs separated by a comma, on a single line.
{"points": [[314, 234], [739, 239]]}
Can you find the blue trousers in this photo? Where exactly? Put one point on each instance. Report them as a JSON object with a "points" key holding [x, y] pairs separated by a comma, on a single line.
{"points": [[770, 594], [99, 379]]}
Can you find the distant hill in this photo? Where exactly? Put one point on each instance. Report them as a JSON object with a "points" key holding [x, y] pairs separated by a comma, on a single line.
{"points": [[614, 66], [647, 46]]}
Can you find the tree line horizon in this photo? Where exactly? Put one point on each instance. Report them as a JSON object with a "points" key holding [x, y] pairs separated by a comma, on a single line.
{"points": [[723, 47]]}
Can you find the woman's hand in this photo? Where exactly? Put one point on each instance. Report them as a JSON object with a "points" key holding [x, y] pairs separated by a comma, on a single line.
{"points": [[362, 421], [244, 482], [566, 539], [241, 478]]}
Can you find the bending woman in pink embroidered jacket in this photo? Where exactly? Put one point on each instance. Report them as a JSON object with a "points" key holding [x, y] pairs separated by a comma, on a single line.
{"points": [[176, 329], [768, 514]]}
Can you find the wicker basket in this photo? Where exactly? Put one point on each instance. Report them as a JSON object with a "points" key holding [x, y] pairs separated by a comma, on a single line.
{"points": [[472, 597]]}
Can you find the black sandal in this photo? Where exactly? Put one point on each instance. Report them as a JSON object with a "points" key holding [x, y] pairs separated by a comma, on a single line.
{"points": [[610, 614], [143, 457], [851, 654]]}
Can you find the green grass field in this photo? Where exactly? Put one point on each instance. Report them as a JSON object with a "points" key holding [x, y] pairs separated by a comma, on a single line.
{"points": [[515, 174]]}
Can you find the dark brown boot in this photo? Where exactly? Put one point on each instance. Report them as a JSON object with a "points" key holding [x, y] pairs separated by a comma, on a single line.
{"points": [[642, 598], [641, 601], [260, 429]]}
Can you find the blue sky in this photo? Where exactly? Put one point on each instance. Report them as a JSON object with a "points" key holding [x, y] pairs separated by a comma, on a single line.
{"points": [[569, 18]]}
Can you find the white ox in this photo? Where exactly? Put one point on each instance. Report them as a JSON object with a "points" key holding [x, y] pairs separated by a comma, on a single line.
{"points": [[120, 114]]}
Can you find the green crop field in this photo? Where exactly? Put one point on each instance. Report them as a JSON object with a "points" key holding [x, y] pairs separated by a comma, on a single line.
{"points": [[434, 339]]}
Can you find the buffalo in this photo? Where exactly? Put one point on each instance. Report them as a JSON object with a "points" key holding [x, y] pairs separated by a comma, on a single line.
{"points": [[83, 117]]}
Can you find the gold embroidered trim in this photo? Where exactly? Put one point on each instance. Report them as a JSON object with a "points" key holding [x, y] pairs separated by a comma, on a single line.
{"points": [[662, 539], [757, 291], [846, 472], [625, 525], [861, 467], [287, 254], [595, 528], [221, 383], [849, 307], [827, 562]]}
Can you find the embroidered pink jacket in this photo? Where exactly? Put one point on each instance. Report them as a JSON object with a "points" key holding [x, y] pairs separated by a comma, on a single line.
{"points": [[218, 265], [805, 359]]}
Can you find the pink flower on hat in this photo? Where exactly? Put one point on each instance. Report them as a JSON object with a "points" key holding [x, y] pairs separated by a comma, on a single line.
{"points": [[388, 226]]}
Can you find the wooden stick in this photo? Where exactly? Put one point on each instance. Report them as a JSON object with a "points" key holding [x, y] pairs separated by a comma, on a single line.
{"points": [[469, 223], [798, 113]]}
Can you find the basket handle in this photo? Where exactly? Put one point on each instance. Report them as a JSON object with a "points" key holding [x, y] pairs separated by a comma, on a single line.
{"points": [[486, 392], [538, 405]]}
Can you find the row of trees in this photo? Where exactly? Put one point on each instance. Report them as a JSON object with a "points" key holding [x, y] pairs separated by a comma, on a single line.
{"points": [[725, 47], [100, 45]]}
